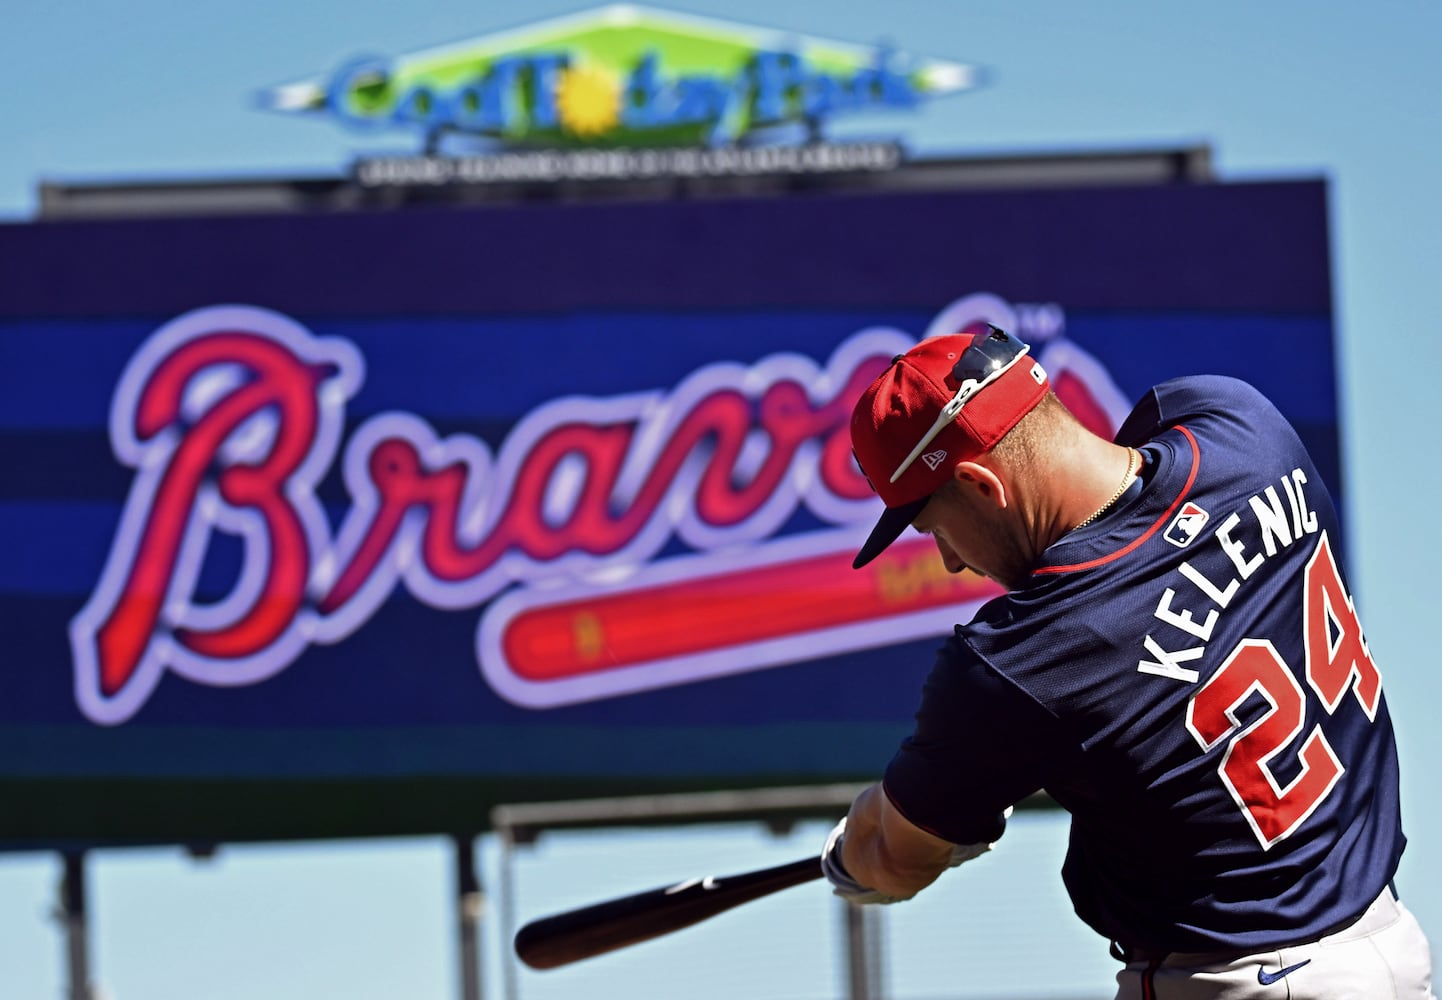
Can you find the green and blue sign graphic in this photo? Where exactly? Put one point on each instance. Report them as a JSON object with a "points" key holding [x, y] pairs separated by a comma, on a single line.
{"points": [[622, 76]]}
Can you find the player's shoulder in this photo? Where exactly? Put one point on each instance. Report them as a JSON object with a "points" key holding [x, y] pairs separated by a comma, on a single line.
{"points": [[969, 671], [1197, 400]]}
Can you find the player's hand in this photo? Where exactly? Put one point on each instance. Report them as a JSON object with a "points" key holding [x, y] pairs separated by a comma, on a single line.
{"points": [[842, 884]]}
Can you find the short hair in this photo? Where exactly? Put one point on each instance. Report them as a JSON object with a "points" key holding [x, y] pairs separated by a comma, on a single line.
{"points": [[1035, 434]]}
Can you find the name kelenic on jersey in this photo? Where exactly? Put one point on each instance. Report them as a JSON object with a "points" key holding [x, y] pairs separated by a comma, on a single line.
{"points": [[1236, 783]]}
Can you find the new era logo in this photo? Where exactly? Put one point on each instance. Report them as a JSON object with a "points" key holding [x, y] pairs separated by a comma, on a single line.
{"points": [[933, 459], [1187, 525]]}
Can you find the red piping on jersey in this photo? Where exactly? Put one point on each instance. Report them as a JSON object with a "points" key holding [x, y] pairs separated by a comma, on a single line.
{"points": [[1149, 980], [1166, 515]]}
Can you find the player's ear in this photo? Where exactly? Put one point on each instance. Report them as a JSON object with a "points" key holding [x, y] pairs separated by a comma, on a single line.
{"points": [[977, 478]]}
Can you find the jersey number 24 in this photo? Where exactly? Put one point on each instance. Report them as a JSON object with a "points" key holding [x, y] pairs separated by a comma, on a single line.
{"points": [[1337, 661]]}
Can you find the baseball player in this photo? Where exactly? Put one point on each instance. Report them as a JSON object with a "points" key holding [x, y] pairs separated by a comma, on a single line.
{"points": [[1177, 661]]}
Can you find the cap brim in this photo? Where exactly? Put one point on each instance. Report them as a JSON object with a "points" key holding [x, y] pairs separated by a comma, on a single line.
{"points": [[894, 520]]}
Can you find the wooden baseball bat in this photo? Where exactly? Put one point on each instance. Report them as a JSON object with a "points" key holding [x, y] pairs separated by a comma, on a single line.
{"points": [[593, 930]]}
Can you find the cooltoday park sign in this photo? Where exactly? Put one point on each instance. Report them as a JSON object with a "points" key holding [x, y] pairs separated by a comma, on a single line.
{"points": [[622, 91]]}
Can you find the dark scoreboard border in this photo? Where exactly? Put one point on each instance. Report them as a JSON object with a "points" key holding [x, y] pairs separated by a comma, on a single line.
{"points": [[1213, 249], [1247, 247]]}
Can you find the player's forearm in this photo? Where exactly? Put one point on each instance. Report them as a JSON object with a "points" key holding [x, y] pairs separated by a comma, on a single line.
{"points": [[893, 865]]}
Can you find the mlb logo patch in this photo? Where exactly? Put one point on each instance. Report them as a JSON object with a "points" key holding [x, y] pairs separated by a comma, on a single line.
{"points": [[1187, 525]]}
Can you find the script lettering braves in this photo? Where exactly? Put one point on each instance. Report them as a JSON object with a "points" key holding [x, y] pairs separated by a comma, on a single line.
{"points": [[231, 416]]}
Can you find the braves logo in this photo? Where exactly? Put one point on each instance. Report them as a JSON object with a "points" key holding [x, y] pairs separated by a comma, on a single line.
{"points": [[230, 417]]}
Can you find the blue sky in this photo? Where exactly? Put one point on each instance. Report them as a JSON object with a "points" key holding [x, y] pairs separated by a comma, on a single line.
{"points": [[150, 89]]}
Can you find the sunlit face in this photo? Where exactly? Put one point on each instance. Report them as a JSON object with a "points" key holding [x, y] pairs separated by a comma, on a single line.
{"points": [[970, 533]]}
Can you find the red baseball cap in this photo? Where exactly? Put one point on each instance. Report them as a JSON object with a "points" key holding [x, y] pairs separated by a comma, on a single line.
{"points": [[946, 400]]}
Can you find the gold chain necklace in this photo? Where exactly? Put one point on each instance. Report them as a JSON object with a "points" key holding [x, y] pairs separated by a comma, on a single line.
{"points": [[1133, 464]]}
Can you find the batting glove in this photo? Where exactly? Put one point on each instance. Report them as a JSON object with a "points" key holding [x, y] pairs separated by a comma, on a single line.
{"points": [[842, 884], [847, 887]]}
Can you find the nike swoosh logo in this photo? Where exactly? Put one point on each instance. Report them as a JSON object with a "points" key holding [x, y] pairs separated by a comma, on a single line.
{"points": [[1268, 978]]}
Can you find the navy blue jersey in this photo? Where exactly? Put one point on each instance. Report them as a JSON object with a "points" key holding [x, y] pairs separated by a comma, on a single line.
{"points": [[1187, 677]]}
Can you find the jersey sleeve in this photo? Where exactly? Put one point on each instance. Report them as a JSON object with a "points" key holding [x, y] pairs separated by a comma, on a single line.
{"points": [[980, 744]]}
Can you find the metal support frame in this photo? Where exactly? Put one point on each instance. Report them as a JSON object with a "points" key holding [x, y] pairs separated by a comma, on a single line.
{"points": [[776, 807], [509, 984], [71, 914], [522, 823], [525, 821], [862, 934], [470, 901]]}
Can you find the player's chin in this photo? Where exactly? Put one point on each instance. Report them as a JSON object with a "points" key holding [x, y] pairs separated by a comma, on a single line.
{"points": [[1012, 579]]}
